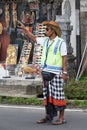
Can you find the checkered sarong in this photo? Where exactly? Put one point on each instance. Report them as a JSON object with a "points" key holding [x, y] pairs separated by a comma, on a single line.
{"points": [[55, 89]]}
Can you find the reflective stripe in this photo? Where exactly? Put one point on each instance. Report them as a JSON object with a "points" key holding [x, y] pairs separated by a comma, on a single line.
{"points": [[53, 67], [56, 46]]}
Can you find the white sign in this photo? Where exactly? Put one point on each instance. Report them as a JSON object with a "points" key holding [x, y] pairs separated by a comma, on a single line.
{"points": [[83, 5]]}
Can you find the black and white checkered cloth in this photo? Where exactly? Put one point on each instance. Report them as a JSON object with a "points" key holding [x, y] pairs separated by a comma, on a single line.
{"points": [[55, 87]]}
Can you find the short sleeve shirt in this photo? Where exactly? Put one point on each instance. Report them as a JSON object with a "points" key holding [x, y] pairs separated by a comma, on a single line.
{"points": [[63, 48]]}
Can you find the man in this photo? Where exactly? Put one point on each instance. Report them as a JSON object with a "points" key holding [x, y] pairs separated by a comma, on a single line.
{"points": [[54, 61]]}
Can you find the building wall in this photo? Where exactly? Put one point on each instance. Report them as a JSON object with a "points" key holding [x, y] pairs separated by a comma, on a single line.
{"points": [[73, 22], [83, 23], [72, 18]]}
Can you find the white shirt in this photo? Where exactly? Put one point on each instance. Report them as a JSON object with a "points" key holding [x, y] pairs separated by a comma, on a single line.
{"points": [[63, 48]]}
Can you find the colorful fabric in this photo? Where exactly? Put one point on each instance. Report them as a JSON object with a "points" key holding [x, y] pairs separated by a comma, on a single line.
{"points": [[56, 93]]}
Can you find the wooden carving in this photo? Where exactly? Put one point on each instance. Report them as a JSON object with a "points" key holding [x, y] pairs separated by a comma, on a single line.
{"points": [[11, 55], [7, 16], [14, 14]]}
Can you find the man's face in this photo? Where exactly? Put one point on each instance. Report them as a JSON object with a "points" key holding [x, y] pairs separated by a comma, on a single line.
{"points": [[49, 31]]}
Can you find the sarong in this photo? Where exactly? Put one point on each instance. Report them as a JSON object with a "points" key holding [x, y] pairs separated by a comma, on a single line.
{"points": [[54, 97]]}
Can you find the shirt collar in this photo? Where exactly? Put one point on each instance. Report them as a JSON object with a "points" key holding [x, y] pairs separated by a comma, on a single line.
{"points": [[54, 39]]}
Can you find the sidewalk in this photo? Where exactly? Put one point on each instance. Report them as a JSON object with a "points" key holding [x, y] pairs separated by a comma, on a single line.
{"points": [[20, 87], [40, 108]]}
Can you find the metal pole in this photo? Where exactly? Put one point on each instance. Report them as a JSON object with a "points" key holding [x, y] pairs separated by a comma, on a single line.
{"points": [[78, 38], [78, 76]]}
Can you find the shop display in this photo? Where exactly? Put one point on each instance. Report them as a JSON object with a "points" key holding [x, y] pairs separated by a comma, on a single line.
{"points": [[12, 12], [40, 32], [28, 69], [24, 67], [25, 54], [31, 71]]}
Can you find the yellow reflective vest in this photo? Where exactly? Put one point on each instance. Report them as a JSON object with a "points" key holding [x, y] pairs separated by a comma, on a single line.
{"points": [[51, 58]]}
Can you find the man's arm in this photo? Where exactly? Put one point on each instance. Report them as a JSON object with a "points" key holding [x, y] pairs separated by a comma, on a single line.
{"points": [[30, 35], [64, 62]]}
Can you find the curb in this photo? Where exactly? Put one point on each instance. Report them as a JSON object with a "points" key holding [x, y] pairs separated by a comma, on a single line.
{"points": [[39, 108]]}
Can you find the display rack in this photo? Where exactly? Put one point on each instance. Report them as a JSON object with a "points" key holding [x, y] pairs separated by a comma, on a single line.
{"points": [[40, 32]]}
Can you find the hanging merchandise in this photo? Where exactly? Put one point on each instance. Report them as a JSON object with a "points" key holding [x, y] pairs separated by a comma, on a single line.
{"points": [[25, 54], [40, 32], [26, 12]]}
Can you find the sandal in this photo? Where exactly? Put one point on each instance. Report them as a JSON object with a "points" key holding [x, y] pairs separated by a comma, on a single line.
{"points": [[59, 122], [42, 121]]}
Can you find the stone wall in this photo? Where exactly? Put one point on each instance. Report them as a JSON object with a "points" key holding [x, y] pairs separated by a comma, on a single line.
{"points": [[20, 87], [83, 22]]}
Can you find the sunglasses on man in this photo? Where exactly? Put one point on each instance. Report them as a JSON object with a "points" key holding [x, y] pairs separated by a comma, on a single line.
{"points": [[47, 29]]}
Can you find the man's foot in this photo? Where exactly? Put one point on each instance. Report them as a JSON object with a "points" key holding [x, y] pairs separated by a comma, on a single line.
{"points": [[59, 122], [42, 121]]}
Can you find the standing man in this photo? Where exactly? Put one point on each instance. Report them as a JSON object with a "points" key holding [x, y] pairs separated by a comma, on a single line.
{"points": [[54, 71]]}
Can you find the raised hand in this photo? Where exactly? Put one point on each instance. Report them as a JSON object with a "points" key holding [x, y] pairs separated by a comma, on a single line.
{"points": [[21, 25]]}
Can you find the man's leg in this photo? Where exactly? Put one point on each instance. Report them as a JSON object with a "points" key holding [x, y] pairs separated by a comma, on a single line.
{"points": [[61, 115], [60, 119]]}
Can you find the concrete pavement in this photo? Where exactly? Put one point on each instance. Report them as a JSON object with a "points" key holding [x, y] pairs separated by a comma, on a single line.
{"points": [[14, 117]]}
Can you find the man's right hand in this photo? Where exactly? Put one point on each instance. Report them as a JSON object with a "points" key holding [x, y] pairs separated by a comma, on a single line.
{"points": [[21, 25]]}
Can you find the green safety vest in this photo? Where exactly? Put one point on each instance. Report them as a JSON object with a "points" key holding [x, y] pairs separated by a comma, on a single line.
{"points": [[51, 57]]}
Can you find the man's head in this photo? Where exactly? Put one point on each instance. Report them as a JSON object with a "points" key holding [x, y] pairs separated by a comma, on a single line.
{"points": [[54, 26]]}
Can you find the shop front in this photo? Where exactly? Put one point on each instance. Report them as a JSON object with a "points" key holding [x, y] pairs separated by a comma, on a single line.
{"points": [[16, 49], [14, 44]]}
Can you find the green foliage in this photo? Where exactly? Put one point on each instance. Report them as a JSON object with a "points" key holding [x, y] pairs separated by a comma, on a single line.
{"points": [[21, 100], [80, 103], [77, 103], [0, 99], [76, 89]]}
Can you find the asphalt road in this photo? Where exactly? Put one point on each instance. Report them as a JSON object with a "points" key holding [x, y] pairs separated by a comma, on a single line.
{"points": [[24, 118]]}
